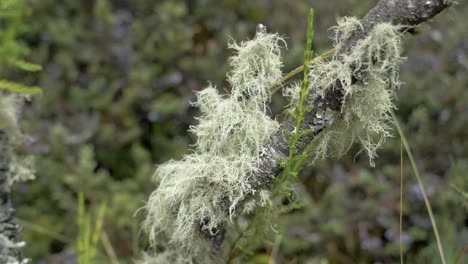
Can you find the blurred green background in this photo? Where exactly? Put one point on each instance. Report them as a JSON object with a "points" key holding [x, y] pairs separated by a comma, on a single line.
{"points": [[118, 78]]}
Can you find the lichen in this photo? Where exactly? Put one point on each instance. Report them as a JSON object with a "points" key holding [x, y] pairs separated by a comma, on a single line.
{"points": [[194, 192], [256, 67], [291, 92], [18, 168], [6, 246], [231, 126], [374, 62], [9, 104], [13, 168], [202, 191], [345, 28]]}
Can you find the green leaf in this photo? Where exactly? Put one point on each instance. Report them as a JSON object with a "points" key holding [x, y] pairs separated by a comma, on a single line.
{"points": [[292, 115], [27, 66], [306, 132], [287, 135], [310, 37], [15, 87]]}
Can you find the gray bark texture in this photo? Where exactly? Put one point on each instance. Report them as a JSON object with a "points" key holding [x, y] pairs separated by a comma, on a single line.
{"points": [[10, 236], [406, 13]]}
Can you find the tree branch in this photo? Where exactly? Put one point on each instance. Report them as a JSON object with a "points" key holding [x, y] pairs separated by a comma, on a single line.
{"points": [[10, 237], [407, 13]]}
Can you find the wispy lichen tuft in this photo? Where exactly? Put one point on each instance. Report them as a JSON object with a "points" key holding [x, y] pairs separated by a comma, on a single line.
{"points": [[229, 126], [374, 61], [19, 168], [256, 67], [230, 135], [345, 28], [7, 246], [291, 92], [13, 168]]}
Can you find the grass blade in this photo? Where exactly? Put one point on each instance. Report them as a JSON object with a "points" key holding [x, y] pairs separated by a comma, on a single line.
{"points": [[19, 88], [401, 202], [420, 183]]}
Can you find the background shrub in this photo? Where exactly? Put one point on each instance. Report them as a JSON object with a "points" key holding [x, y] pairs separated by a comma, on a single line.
{"points": [[117, 81]]}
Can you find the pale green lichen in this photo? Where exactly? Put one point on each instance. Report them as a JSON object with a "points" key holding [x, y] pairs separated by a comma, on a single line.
{"points": [[256, 67], [13, 168], [291, 92], [364, 118], [19, 168], [9, 104], [229, 126], [345, 28], [263, 199], [6, 246], [231, 133]]}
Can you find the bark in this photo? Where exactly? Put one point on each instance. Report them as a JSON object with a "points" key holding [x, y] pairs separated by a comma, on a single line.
{"points": [[10, 236], [407, 13]]}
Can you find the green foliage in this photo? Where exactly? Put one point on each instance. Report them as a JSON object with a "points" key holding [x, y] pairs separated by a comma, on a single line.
{"points": [[12, 15], [12, 50], [14, 168], [292, 166], [18, 88], [118, 78], [88, 233]]}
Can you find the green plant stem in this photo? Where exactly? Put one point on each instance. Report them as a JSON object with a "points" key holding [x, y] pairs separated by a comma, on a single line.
{"points": [[461, 256], [421, 186], [301, 109], [43, 230], [327, 54], [234, 253], [401, 202], [19, 88], [458, 190], [88, 233], [275, 250], [108, 248]]}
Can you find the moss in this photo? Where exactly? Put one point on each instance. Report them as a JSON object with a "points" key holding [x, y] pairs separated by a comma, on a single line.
{"points": [[364, 118], [231, 133]]}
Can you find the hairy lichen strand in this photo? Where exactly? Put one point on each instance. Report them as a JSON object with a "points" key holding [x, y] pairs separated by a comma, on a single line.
{"points": [[232, 132]]}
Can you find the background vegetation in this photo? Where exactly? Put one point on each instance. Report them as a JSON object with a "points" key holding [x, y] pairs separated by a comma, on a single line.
{"points": [[117, 80]]}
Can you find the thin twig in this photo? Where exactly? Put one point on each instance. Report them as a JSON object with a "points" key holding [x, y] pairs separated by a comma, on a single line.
{"points": [[458, 190], [401, 202], [421, 186], [43, 230], [461, 256], [234, 253], [275, 250], [108, 248], [321, 57]]}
